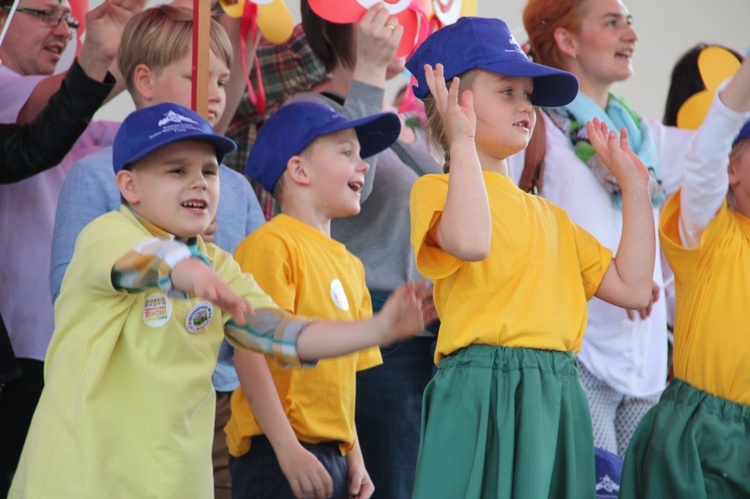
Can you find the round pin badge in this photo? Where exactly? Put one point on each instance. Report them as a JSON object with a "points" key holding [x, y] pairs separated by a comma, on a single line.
{"points": [[199, 317], [339, 296], [157, 309]]}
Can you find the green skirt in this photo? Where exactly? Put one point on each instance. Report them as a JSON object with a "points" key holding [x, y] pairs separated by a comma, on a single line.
{"points": [[503, 422], [691, 444]]}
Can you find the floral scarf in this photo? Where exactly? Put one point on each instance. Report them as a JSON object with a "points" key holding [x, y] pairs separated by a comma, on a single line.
{"points": [[571, 120]]}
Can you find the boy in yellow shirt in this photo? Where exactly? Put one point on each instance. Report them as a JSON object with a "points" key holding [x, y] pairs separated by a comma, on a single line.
{"points": [[292, 431], [128, 405]]}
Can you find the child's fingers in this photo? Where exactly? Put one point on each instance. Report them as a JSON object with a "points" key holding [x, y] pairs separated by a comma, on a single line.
{"points": [[433, 84]]}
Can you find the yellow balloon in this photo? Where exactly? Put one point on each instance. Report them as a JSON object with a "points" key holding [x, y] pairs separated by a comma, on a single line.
{"points": [[275, 21], [694, 109], [716, 64], [233, 9]]}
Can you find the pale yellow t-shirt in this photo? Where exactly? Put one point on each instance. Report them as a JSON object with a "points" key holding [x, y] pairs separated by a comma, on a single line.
{"points": [[311, 275], [712, 312], [128, 405], [531, 291]]}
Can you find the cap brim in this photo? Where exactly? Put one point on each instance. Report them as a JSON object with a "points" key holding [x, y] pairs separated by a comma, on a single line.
{"points": [[552, 87], [375, 133], [222, 145]]}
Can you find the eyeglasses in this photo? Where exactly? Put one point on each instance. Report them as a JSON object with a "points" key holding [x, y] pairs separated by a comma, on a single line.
{"points": [[51, 18]]}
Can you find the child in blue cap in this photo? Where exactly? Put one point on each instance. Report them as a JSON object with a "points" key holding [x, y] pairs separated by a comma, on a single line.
{"points": [[292, 431], [505, 415], [128, 405], [696, 441]]}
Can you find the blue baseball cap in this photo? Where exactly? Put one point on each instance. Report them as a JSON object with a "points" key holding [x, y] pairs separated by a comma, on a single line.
{"points": [[484, 43], [744, 133], [146, 130], [294, 126]]}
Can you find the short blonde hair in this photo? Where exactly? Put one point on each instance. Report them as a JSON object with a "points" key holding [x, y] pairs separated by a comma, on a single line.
{"points": [[159, 36]]}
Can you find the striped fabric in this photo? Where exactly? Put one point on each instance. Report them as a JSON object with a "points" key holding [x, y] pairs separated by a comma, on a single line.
{"points": [[269, 330], [150, 264]]}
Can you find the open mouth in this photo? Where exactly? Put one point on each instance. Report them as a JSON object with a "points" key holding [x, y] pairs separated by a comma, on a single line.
{"points": [[356, 186], [522, 124], [624, 54], [195, 205]]}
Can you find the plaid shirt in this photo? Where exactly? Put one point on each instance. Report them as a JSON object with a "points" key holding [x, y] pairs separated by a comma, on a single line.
{"points": [[286, 69], [149, 266]]}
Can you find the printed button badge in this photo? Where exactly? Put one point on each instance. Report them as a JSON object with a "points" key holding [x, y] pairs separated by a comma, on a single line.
{"points": [[157, 309], [199, 317]]}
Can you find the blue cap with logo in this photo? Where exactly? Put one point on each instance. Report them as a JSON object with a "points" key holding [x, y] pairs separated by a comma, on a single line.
{"points": [[146, 130], [484, 43], [294, 126]]}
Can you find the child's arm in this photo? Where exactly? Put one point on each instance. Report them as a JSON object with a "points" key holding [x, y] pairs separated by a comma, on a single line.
{"points": [[464, 228], [360, 483], [293, 339], [628, 280], [305, 473], [705, 169]]}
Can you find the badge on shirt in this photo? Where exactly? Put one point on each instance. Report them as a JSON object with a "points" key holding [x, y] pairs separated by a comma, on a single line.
{"points": [[157, 309], [338, 296], [199, 317]]}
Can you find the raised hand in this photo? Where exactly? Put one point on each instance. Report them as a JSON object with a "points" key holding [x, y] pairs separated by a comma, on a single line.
{"points": [[195, 277], [403, 311], [104, 26], [616, 154], [378, 35], [459, 119]]}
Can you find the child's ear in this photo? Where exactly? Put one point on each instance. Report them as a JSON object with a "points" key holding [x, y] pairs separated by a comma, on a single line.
{"points": [[297, 168], [143, 81], [128, 186], [733, 174], [566, 42]]}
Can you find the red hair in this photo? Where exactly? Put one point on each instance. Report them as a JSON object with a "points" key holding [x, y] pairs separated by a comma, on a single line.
{"points": [[542, 17]]}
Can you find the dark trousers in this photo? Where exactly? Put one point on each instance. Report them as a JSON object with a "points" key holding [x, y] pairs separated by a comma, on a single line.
{"points": [[18, 399], [389, 412], [257, 474]]}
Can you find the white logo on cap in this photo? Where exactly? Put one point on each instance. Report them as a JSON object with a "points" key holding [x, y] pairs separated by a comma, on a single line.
{"points": [[516, 47], [172, 117]]}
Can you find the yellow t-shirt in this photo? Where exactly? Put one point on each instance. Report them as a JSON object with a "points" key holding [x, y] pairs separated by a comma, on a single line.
{"points": [[128, 405], [315, 276], [531, 291], [712, 313]]}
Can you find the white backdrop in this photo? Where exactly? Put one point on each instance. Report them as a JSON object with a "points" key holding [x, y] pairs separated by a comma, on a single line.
{"points": [[667, 28]]}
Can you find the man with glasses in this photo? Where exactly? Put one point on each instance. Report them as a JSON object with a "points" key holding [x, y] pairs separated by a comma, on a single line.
{"points": [[38, 34]]}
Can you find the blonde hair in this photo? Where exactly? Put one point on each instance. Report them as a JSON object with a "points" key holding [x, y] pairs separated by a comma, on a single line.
{"points": [[435, 122], [159, 36], [734, 156]]}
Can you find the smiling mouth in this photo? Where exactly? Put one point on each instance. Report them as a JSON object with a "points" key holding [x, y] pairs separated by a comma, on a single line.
{"points": [[356, 186], [522, 124], [195, 205], [625, 54]]}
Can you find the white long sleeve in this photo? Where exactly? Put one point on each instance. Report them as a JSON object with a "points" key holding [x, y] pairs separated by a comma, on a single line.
{"points": [[706, 179]]}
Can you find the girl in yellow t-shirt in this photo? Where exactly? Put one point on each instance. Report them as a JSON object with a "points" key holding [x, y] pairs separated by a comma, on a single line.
{"points": [[512, 275], [696, 440]]}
